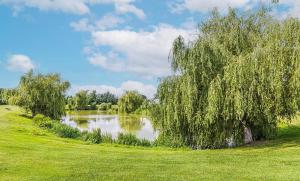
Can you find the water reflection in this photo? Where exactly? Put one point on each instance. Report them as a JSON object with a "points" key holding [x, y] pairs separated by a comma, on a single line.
{"points": [[111, 124]]}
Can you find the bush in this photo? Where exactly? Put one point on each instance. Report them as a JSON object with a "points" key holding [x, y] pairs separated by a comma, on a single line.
{"points": [[145, 142], [65, 131], [93, 137], [167, 141], [114, 108], [104, 106], [130, 139], [107, 138], [43, 121]]}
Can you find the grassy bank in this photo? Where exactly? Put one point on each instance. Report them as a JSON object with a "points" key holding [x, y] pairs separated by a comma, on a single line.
{"points": [[29, 153]]}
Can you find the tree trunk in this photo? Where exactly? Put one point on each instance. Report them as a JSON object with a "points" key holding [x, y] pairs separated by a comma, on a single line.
{"points": [[247, 135]]}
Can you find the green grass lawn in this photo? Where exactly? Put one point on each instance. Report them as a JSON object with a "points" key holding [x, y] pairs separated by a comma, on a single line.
{"points": [[29, 153]]}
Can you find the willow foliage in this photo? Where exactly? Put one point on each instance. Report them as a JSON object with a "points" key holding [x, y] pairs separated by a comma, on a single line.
{"points": [[241, 72], [130, 101], [42, 94]]}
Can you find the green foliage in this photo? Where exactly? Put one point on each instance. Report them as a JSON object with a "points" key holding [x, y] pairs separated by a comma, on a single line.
{"points": [[130, 101], [107, 138], [70, 103], [82, 100], [106, 98], [104, 106], [65, 131], [93, 137], [43, 121], [42, 94], [145, 142], [243, 71], [130, 139], [115, 108], [7, 96], [163, 140]]}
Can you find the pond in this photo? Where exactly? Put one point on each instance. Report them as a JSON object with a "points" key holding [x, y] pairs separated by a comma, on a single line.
{"points": [[138, 125]]}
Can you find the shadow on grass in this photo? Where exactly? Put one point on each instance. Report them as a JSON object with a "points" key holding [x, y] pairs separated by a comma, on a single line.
{"points": [[288, 136], [27, 116]]}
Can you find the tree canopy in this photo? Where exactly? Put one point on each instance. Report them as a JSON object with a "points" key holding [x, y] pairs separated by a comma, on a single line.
{"points": [[42, 94], [241, 73], [130, 101], [85, 100]]}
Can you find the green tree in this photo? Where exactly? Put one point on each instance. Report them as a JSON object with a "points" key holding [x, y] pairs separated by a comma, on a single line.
{"points": [[239, 75], [130, 102], [42, 94], [107, 97], [82, 100], [92, 99], [71, 103], [6, 95]]}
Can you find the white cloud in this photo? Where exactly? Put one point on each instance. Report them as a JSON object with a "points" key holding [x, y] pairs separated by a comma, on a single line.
{"points": [[124, 8], [106, 22], [82, 25], [293, 8], [79, 7], [20, 63], [141, 52], [205, 6], [145, 89], [74, 6]]}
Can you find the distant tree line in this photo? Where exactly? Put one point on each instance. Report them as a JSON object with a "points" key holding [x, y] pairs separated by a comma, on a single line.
{"points": [[6, 95], [85, 100], [129, 102]]}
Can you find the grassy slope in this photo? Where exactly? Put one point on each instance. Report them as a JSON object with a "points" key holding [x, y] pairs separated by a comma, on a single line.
{"points": [[28, 153]]}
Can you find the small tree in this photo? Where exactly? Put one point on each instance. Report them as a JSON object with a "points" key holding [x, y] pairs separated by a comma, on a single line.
{"points": [[130, 102], [42, 94], [6, 95], [82, 100]]}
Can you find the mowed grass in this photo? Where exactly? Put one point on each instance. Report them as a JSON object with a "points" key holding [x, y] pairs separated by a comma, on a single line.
{"points": [[29, 153]]}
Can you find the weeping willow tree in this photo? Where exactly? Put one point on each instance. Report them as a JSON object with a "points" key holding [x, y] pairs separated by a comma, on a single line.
{"points": [[240, 75], [42, 94]]}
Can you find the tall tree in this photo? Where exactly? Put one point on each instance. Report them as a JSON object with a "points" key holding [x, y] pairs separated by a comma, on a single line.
{"points": [[42, 94], [237, 77], [82, 100]]}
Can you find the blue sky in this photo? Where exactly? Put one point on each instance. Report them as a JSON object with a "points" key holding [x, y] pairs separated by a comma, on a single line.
{"points": [[107, 45]]}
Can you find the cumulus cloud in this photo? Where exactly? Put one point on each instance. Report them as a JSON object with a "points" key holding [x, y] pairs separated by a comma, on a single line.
{"points": [[291, 7], [21, 63], [74, 6], [205, 6], [141, 52], [145, 89], [129, 8], [108, 21]]}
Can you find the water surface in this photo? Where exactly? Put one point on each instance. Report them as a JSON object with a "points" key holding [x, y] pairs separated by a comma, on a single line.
{"points": [[112, 124]]}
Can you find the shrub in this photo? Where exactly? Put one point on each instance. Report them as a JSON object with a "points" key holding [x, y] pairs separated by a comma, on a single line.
{"points": [[43, 121], [145, 142], [107, 138], [104, 106], [127, 139], [114, 108], [65, 131], [93, 137], [167, 141]]}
